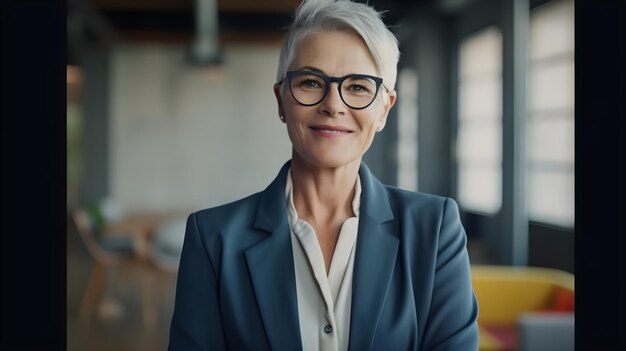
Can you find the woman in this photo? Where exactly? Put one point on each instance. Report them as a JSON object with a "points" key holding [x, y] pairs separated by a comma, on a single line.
{"points": [[327, 257]]}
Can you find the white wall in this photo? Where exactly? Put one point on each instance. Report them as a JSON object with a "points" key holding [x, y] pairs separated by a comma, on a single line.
{"points": [[183, 139]]}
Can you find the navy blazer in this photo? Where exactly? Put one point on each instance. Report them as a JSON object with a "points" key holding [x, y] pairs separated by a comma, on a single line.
{"points": [[411, 288]]}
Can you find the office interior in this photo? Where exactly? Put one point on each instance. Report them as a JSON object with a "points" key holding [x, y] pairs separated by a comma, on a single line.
{"points": [[170, 109]]}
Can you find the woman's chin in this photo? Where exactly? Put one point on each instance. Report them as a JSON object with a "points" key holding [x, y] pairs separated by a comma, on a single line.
{"points": [[327, 160]]}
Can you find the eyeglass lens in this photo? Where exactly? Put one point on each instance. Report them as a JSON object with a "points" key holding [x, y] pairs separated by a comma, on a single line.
{"points": [[356, 91]]}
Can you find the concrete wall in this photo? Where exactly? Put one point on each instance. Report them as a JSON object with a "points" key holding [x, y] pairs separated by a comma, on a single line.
{"points": [[181, 138]]}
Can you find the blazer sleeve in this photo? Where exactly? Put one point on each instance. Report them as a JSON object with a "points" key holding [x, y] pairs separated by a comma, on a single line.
{"points": [[196, 322], [452, 320]]}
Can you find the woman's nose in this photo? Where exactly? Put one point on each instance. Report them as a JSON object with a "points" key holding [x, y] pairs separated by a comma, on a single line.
{"points": [[332, 104]]}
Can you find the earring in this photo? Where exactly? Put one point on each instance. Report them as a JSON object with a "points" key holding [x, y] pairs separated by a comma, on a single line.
{"points": [[282, 118]]}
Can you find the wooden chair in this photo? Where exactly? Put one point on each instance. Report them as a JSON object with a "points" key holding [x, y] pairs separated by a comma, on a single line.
{"points": [[104, 260]]}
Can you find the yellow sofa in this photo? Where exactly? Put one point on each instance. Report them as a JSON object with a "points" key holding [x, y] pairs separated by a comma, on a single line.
{"points": [[507, 294]]}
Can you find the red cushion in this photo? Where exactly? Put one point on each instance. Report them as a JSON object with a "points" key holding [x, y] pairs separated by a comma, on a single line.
{"points": [[562, 301], [506, 335]]}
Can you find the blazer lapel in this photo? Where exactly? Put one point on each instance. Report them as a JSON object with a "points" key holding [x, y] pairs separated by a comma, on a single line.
{"points": [[272, 273], [270, 263], [375, 258]]}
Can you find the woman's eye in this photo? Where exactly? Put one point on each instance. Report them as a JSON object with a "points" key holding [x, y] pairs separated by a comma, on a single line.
{"points": [[358, 88], [309, 83]]}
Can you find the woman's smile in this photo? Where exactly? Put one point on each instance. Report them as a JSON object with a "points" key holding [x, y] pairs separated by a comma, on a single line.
{"points": [[328, 131]]}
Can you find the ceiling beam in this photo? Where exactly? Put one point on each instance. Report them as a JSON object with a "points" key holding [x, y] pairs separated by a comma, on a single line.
{"points": [[226, 38], [223, 5]]}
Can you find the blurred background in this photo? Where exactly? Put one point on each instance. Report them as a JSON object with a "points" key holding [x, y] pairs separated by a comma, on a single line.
{"points": [[170, 109]]}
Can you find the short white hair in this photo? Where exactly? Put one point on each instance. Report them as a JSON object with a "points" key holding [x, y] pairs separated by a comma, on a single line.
{"points": [[343, 15]]}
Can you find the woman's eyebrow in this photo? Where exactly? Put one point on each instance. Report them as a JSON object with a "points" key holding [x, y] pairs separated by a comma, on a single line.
{"points": [[311, 69]]}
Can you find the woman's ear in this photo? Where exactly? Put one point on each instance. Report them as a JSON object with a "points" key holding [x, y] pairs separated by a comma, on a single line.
{"points": [[392, 100], [279, 99], [386, 108]]}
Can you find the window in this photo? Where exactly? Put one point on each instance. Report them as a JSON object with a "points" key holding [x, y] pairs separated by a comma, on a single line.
{"points": [[550, 171], [407, 129], [479, 133]]}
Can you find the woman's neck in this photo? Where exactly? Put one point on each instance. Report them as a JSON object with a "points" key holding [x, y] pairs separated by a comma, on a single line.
{"points": [[323, 194]]}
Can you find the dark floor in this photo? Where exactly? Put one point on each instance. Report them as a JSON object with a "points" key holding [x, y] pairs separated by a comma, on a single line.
{"points": [[129, 331]]}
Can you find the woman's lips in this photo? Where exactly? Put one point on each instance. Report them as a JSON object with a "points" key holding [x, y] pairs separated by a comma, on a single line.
{"points": [[330, 131]]}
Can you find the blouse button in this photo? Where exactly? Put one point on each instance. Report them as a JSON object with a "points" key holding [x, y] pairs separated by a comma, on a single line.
{"points": [[328, 329]]}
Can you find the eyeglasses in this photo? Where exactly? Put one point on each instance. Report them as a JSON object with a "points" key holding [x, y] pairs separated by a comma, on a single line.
{"points": [[357, 91]]}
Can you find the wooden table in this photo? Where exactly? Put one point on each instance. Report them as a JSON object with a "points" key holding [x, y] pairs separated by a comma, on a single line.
{"points": [[139, 226]]}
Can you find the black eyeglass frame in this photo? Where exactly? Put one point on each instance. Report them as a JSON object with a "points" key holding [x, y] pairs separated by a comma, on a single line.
{"points": [[339, 80]]}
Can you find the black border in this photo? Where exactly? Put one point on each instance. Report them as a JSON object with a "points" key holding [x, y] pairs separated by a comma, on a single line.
{"points": [[33, 242], [600, 177]]}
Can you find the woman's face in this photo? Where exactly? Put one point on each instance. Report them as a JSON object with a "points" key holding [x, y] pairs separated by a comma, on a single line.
{"points": [[331, 134]]}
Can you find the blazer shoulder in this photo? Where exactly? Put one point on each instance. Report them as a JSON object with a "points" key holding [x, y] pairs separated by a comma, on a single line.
{"points": [[423, 208], [213, 218], [411, 199]]}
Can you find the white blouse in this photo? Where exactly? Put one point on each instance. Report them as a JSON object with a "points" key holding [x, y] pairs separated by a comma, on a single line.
{"points": [[324, 302]]}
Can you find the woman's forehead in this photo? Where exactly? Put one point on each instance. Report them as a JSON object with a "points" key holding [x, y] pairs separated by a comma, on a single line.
{"points": [[334, 52]]}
